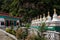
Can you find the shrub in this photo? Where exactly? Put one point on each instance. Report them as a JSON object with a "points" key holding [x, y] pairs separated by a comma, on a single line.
{"points": [[11, 31], [27, 25], [8, 30], [21, 33], [33, 36]]}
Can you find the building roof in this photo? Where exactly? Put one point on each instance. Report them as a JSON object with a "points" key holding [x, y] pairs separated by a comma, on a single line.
{"points": [[7, 14], [8, 17], [4, 14]]}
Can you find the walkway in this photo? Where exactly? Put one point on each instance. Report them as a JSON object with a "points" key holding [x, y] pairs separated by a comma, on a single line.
{"points": [[4, 36]]}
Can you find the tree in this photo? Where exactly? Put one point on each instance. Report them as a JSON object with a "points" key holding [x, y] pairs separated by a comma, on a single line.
{"points": [[42, 30], [31, 8]]}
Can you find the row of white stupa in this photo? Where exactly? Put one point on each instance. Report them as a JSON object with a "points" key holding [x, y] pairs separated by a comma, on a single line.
{"points": [[55, 21]]}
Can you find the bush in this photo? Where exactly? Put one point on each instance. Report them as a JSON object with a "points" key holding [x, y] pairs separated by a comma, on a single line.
{"points": [[11, 31], [27, 25], [21, 33], [8, 30]]}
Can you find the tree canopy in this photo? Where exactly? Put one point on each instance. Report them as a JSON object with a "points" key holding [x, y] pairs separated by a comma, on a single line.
{"points": [[29, 8]]}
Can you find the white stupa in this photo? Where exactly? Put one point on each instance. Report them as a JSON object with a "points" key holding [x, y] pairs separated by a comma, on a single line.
{"points": [[55, 17], [41, 18], [37, 20], [55, 20], [48, 18], [44, 19], [48, 21], [52, 26]]}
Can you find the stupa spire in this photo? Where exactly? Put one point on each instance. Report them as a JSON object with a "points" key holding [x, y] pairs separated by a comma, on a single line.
{"points": [[43, 15], [54, 15], [44, 19], [48, 17], [40, 17], [48, 13], [54, 11]]}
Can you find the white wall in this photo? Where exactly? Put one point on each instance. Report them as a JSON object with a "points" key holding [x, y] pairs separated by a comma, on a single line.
{"points": [[2, 20]]}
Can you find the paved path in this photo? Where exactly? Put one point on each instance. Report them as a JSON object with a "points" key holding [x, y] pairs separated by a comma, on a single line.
{"points": [[3, 36]]}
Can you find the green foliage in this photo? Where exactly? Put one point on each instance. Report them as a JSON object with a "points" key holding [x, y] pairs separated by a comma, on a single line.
{"points": [[8, 30], [42, 30], [27, 25], [18, 27], [21, 33], [43, 27], [31, 8], [11, 31]]}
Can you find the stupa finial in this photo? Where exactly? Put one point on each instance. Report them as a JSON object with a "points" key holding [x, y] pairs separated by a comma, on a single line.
{"points": [[44, 15], [54, 11], [40, 17], [44, 18], [48, 13]]}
